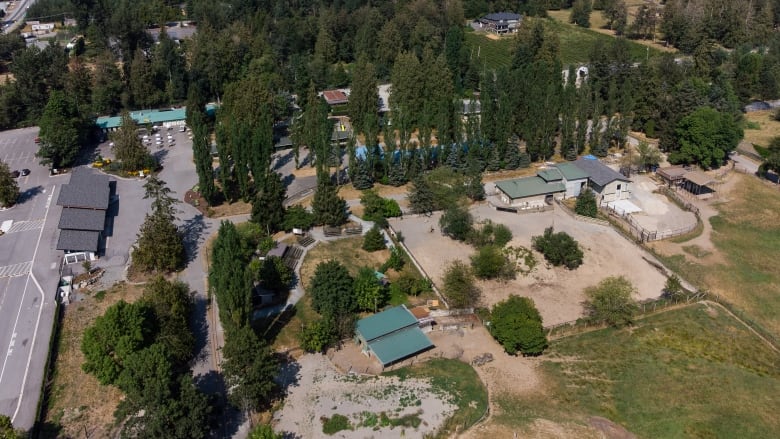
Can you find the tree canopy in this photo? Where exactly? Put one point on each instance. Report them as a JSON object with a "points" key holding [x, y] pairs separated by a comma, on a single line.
{"points": [[460, 288], [558, 248], [611, 301], [517, 325], [9, 189], [705, 137]]}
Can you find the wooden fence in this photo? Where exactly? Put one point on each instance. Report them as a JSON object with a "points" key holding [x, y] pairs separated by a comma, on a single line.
{"points": [[644, 308], [419, 267], [641, 234], [579, 217]]}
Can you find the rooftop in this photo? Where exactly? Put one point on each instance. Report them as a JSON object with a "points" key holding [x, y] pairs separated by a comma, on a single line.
{"points": [[502, 16], [335, 97], [598, 172], [550, 174], [698, 178], [400, 345], [82, 219], [528, 187], [385, 322], [78, 240], [86, 189], [153, 117], [571, 172]]}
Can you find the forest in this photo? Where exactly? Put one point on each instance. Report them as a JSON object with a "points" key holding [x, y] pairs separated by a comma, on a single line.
{"points": [[265, 61]]}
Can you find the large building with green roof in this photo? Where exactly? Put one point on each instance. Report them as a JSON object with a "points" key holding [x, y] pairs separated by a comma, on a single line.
{"points": [[391, 336], [564, 180], [165, 118]]}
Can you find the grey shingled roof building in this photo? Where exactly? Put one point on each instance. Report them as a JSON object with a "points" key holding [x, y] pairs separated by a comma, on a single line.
{"points": [[86, 190], [85, 200], [598, 172], [78, 240], [82, 219]]}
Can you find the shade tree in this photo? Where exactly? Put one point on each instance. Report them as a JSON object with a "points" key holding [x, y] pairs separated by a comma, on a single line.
{"points": [[517, 325]]}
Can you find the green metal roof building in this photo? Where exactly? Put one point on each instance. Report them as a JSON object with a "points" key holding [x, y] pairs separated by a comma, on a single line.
{"points": [[166, 117], [529, 187], [391, 335]]}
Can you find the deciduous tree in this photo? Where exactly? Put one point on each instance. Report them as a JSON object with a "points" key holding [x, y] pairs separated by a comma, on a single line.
{"points": [[558, 248], [586, 204], [9, 189], [369, 294], [517, 325], [460, 288], [611, 301], [63, 130], [128, 148], [249, 367]]}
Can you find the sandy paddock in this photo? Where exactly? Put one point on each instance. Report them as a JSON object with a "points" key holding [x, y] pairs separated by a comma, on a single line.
{"points": [[557, 292], [322, 391]]}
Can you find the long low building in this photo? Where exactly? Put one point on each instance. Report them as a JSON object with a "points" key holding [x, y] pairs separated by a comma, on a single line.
{"points": [[169, 117], [565, 180], [84, 200]]}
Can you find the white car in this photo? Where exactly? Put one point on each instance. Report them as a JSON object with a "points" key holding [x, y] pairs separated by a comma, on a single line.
{"points": [[158, 143]]}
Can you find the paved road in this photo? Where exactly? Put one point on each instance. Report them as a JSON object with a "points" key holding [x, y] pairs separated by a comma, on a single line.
{"points": [[17, 14], [744, 163], [29, 274]]}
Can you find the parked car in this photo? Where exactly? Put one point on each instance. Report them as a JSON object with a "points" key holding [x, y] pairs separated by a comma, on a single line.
{"points": [[15, 174], [37, 140], [25, 172]]}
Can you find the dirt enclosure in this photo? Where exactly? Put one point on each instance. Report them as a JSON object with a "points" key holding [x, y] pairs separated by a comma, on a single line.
{"points": [[557, 292]]}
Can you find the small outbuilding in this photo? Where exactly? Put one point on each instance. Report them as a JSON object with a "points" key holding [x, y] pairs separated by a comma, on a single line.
{"points": [[391, 336], [698, 183]]}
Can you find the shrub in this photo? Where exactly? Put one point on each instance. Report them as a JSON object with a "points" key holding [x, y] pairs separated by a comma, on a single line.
{"points": [[558, 248], [460, 287], [586, 204], [374, 240], [490, 263], [610, 301], [456, 223], [297, 217], [335, 424]]}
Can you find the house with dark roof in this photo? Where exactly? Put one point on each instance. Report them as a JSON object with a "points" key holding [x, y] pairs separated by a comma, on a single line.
{"points": [[391, 336], [608, 184], [501, 22], [84, 202]]}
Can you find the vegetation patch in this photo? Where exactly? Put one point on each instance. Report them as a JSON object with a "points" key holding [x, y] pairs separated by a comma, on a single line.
{"points": [[335, 424], [458, 383], [691, 372]]}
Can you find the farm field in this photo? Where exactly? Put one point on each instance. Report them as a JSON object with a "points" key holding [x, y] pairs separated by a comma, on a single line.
{"points": [[576, 45], [743, 264], [691, 372]]}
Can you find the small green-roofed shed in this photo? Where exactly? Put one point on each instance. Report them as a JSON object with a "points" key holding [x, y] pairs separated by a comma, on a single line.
{"points": [[391, 335], [571, 172], [529, 187], [399, 345]]}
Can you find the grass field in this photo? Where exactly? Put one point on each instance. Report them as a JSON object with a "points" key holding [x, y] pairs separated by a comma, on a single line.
{"points": [[691, 372], [460, 382], [769, 128], [576, 46], [747, 233]]}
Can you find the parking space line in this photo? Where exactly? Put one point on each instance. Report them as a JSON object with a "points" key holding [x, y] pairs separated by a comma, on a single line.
{"points": [[16, 269], [23, 226]]}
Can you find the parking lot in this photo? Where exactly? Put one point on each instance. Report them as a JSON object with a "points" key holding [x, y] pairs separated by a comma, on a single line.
{"points": [[29, 273]]}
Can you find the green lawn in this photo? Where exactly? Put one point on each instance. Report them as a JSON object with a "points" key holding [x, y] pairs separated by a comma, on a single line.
{"points": [[692, 372], [576, 46], [456, 380]]}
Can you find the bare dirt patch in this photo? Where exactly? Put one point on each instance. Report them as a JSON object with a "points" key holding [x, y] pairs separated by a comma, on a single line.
{"points": [[77, 401], [557, 292], [322, 392]]}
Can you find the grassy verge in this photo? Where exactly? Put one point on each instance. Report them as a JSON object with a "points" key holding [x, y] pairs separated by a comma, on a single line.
{"points": [[76, 400], [459, 382], [691, 372]]}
